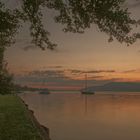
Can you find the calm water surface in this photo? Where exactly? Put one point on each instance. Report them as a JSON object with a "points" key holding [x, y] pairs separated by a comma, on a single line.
{"points": [[72, 116]]}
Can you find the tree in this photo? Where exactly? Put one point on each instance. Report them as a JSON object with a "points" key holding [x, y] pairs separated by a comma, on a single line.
{"points": [[6, 85], [76, 15], [8, 28]]}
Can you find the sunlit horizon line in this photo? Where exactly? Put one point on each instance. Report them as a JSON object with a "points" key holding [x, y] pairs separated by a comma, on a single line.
{"points": [[63, 87]]}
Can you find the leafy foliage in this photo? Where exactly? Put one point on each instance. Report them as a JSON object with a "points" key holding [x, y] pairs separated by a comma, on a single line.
{"points": [[108, 15], [32, 13], [6, 85], [76, 16], [8, 25]]}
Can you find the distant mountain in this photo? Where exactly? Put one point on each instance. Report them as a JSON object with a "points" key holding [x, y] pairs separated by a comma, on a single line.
{"points": [[117, 86]]}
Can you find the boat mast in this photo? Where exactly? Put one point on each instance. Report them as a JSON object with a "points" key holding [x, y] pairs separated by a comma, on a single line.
{"points": [[85, 81]]}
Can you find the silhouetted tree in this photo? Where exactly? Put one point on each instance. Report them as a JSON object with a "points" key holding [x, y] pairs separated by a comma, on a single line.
{"points": [[6, 85], [8, 27], [110, 16]]}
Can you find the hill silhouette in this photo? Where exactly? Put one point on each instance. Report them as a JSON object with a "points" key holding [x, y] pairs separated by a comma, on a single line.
{"points": [[117, 86]]}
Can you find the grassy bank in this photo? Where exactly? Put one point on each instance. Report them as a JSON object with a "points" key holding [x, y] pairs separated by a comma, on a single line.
{"points": [[15, 121]]}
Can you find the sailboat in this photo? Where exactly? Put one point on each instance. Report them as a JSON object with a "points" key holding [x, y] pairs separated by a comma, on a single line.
{"points": [[44, 90], [86, 90]]}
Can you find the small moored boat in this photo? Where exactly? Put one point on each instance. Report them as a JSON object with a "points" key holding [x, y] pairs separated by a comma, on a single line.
{"points": [[44, 91], [86, 90]]}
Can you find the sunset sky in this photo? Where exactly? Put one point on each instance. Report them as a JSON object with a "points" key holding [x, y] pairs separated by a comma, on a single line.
{"points": [[75, 55]]}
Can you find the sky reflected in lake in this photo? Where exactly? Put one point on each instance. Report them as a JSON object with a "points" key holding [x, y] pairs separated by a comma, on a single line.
{"points": [[73, 116]]}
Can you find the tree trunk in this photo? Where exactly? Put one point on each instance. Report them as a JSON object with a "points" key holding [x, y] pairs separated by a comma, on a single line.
{"points": [[1, 58]]}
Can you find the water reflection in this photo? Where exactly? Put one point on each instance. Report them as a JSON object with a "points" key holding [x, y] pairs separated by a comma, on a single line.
{"points": [[103, 116]]}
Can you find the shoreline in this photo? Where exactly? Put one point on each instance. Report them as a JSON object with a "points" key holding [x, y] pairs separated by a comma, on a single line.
{"points": [[43, 131]]}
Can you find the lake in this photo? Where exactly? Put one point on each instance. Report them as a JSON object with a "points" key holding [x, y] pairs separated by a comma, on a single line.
{"points": [[102, 116]]}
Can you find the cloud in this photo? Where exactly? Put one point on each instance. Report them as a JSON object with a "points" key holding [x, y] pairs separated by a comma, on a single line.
{"points": [[62, 78], [56, 67], [29, 47], [101, 71], [48, 74], [132, 71], [74, 71], [65, 73], [71, 74], [96, 77]]}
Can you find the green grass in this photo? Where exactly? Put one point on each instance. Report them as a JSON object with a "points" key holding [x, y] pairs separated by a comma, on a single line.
{"points": [[15, 121]]}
